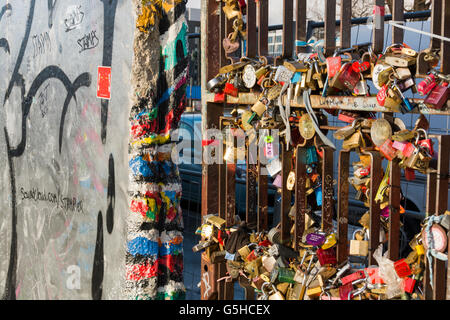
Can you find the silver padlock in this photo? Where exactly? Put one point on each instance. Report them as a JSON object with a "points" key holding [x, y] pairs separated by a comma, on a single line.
{"points": [[273, 294]]}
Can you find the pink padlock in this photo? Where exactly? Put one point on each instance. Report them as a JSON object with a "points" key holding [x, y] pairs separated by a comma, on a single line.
{"points": [[427, 84], [406, 148]]}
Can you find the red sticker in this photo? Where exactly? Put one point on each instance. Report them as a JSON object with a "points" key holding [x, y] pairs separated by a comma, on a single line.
{"points": [[104, 83]]}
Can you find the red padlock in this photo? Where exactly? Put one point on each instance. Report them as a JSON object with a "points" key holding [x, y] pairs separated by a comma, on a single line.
{"points": [[345, 118], [425, 143], [387, 150], [353, 277], [327, 256], [381, 95], [231, 90], [409, 284], [219, 97], [348, 77], [333, 66], [402, 268], [345, 291], [437, 97], [360, 67], [427, 84], [410, 174], [407, 148]]}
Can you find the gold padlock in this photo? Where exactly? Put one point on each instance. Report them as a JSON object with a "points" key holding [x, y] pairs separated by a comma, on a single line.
{"points": [[259, 108], [353, 142], [290, 181]]}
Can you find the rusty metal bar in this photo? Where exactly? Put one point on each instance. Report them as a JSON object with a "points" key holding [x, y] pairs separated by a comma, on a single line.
{"points": [[208, 284], [300, 196], [288, 41], [286, 164], [436, 16], [440, 271], [230, 192], [345, 25], [330, 26], [394, 210], [375, 179], [445, 45], [300, 24], [223, 34], [252, 40], [378, 26], [263, 28], [262, 200], [251, 191], [397, 15], [327, 189], [430, 209], [342, 208]]}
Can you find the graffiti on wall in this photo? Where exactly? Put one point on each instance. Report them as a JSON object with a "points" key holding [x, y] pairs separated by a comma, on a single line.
{"points": [[59, 168], [154, 260]]}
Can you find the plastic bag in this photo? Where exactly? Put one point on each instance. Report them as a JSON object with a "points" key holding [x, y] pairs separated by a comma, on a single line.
{"points": [[394, 284]]}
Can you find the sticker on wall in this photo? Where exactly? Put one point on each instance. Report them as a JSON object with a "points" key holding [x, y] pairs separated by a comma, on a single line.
{"points": [[104, 83]]}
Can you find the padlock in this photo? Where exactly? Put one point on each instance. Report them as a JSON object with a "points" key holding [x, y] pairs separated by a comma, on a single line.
{"points": [[259, 108], [359, 247], [402, 73], [283, 74], [380, 75], [286, 275], [380, 131], [381, 95], [306, 127], [348, 77], [405, 147], [295, 66], [387, 150], [425, 143], [399, 60], [402, 268], [354, 141], [268, 147], [290, 181], [427, 84], [216, 83], [333, 66], [268, 263], [438, 96], [404, 135], [231, 89], [249, 76], [270, 291], [361, 88], [327, 256]]}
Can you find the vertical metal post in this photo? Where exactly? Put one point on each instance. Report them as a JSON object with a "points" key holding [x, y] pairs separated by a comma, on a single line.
{"points": [[327, 189], [397, 15], [376, 176], [301, 24], [436, 16], [330, 26], [252, 40], [300, 197], [263, 28], [211, 29], [440, 271], [288, 43], [394, 211], [345, 26], [286, 160], [445, 32], [378, 26], [430, 209], [251, 192], [342, 208]]}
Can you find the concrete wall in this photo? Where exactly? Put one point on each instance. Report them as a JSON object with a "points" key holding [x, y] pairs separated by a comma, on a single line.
{"points": [[63, 151]]}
